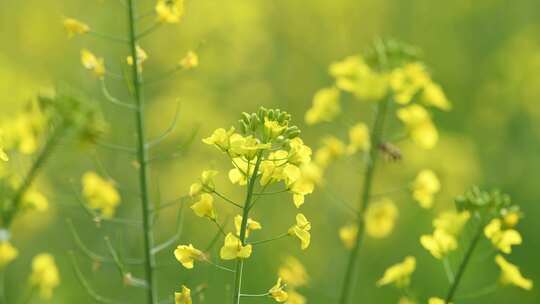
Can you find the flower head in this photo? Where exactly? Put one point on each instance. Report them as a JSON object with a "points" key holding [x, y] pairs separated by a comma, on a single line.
{"points": [[74, 27], [301, 230], [183, 297], [399, 274], [187, 254], [355, 76], [44, 275], [419, 124], [380, 218], [100, 194], [503, 239], [205, 184], [348, 234], [251, 225], [35, 200], [278, 293], [510, 274], [451, 222], [425, 186], [190, 61], [170, 11], [295, 298], [8, 253], [439, 244], [142, 56], [325, 106], [293, 272], [331, 149], [93, 63], [220, 138], [204, 207], [233, 248], [359, 139]]}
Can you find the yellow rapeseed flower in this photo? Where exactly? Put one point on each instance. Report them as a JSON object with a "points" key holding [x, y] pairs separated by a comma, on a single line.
{"points": [[187, 254], [170, 11], [353, 75], [399, 274], [348, 234], [424, 187], [451, 222], [299, 153], [142, 56], [246, 146], [418, 122], [331, 149], [301, 230], [190, 61], [8, 253], [325, 106], [44, 275], [183, 297], [233, 248], [220, 138], [433, 95], [407, 81], [93, 63], [278, 293], [439, 244], [251, 225], [273, 167], [205, 184], [100, 194], [273, 128], [380, 218], [503, 239], [511, 218], [300, 188], [359, 139], [204, 207], [35, 200], [295, 298], [74, 27], [510, 274], [434, 300], [293, 273]]}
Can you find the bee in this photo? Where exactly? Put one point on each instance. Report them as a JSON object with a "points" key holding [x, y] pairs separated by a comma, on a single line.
{"points": [[390, 151]]}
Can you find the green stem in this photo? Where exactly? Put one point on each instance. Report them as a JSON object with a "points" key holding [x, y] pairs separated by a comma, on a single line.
{"points": [[142, 157], [463, 265], [38, 164], [351, 271], [243, 230]]}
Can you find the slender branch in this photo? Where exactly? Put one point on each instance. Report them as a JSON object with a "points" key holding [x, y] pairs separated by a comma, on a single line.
{"points": [[226, 199], [163, 76], [270, 240], [168, 131], [255, 295], [219, 227], [218, 266], [108, 37], [148, 31], [480, 292], [448, 270], [176, 236], [116, 147], [113, 99]]}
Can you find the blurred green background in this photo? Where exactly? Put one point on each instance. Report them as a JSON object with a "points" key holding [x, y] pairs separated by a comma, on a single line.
{"points": [[485, 53]]}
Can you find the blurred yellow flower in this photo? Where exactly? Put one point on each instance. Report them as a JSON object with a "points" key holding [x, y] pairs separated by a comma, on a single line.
{"points": [[190, 61], [359, 139], [239, 174], [74, 27], [35, 200], [295, 298], [183, 297], [380, 218], [142, 56], [503, 239], [406, 300], [424, 187], [44, 275], [433, 95], [220, 138], [299, 153], [511, 218], [510, 274], [399, 274], [233, 248], [187, 254], [419, 124], [407, 81], [439, 244], [273, 128], [93, 63], [8, 253], [451, 222], [434, 300], [325, 106], [100, 194], [204, 207], [205, 184], [300, 188], [301, 230], [251, 225], [278, 293], [293, 273], [353, 75], [23, 131], [170, 11], [331, 149], [348, 235]]}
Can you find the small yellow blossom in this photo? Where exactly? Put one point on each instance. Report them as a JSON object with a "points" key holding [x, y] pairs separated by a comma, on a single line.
{"points": [[233, 248], [74, 27], [434, 95], [406, 300], [8, 253], [251, 225], [300, 188], [511, 219], [183, 297], [425, 186], [24, 130], [187, 254], [204, 207], [294, 274], [273, 128], [359, 139], [380, 218], [439, 244], [331, 149], [142, 56], [419, 124], [220, 138], [348, 235], [299, 153], [353, 75], [272, 169], [399, 274], [190, 61], [296, 298], [301, 230], [278, 293], [170, 11], [407, 81], [325, 106], [503, 239], [247, 146], [44, 275], [239, 175], [205, 184], [100, 194], [451, 222], [510, 274], [35, 200], [93, 63], [434, 300]]}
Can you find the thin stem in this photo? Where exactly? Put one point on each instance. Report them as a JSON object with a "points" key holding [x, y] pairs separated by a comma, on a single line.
{"points": [[351, 272], [148, 31], [243, 229], [448, 270], [464, 263], [270, 240], [226, 199], [480, 292], [219, 227], [164, 75], [108, 37], [142, 158]]}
